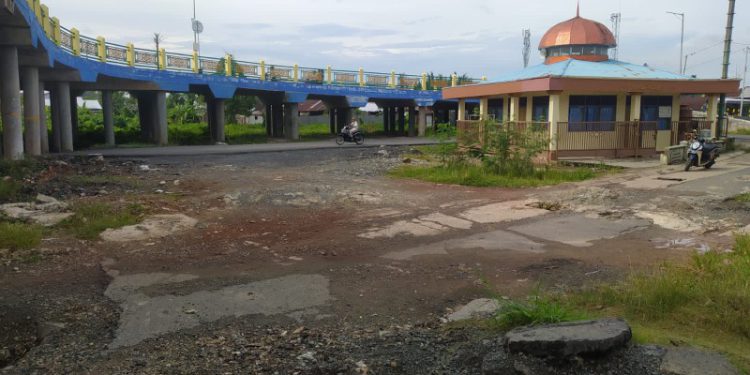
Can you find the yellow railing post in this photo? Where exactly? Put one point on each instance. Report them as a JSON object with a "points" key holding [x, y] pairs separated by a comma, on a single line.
{"points": [[75, 41], [130, 54], [37, 7], [45, 21], [454, 80], [393, 78], [424, 81], [196, 62], [228, 65], [296, 73], [162, 56], [56, 37], [329, 74], [101, 49], [262, 70], [361, 77], [484, 78]]}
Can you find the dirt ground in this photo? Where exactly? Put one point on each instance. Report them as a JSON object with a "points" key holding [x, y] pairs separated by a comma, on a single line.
{"points": [[301, 261]]}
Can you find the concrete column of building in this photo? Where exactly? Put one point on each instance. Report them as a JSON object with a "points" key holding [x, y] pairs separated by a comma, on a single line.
{"points": [[515, 104], [622, 104], [291, 121], [529, 108], [161, 132], [412, 122], [10, 103], [32, 139], [461, 110], [108, 117], [43, 133], [66, 116], [278, 120], [555, 114], [218, 122], [484, 108], [422, 122], [635, 107], [506, 108], [712, 113]]}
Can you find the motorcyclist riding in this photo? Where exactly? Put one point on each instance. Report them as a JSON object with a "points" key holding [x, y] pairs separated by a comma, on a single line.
{"points": [[352, 127]]}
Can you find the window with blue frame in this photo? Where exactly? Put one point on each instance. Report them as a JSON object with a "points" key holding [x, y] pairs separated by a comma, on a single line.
{"points": [[540, 108], [592, 113], [650, 111]]}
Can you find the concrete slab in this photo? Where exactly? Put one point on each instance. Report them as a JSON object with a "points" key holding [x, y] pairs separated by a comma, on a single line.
{"points": [[448, 221], [689, 361], [502, 212], [145, 316], [569, 339], [491, 241], [156, 226], [579, 230]]}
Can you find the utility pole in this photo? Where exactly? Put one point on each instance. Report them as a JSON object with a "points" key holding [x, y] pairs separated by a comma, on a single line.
{"points": [[744, 84], [682, 37], [616, 18], [725, 66], [526, 46]]}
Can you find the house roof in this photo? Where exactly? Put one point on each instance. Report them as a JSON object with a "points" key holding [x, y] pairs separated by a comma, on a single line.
{"points": [[590, 69], [312, 106], [590, 76]]}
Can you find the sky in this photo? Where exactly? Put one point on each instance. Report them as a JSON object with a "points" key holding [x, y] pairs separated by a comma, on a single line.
{"points": [[476, 37]]}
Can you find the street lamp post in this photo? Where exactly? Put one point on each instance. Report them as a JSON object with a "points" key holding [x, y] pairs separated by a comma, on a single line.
{"points": [[744, 84], [682, 38]]}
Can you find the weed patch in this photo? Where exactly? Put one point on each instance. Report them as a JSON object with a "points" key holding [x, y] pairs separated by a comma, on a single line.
{"points": [[90, 219], [19, 236], [537, 310]]}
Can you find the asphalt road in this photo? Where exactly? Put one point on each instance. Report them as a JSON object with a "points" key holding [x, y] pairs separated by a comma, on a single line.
{"points": [[251, 148]]}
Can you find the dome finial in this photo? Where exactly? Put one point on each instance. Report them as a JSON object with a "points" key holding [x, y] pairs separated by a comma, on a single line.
{"points": [[578, 9]]}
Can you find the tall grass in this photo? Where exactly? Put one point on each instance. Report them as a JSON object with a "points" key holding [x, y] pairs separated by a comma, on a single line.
{"points": [[19, 236], [705, 302]]}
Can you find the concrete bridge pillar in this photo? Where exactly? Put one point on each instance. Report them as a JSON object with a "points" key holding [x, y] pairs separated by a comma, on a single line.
{"points": [[108, 115], [278, 120], [32, 138], [10, 103], [218, 121], [401, 120], [74, 117], [392, 121], [412, 122], [54, 113], [43, 132], [343, 118], [145, 116], [291, 121], [64, 116], [422, 122], [332, 119], [161, 132], [386, 117]]}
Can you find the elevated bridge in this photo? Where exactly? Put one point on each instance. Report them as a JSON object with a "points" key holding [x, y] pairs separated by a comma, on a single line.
{"points": [[38, 54]]}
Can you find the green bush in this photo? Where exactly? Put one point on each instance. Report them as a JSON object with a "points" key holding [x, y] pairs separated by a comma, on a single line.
{"points": [[537, 310]]}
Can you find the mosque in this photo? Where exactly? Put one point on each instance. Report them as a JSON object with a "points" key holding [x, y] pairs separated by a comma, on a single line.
{"points": [[589, 104]]}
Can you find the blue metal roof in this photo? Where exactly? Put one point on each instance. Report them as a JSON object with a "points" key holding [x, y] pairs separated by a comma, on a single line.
{"points": [[587, 69]]}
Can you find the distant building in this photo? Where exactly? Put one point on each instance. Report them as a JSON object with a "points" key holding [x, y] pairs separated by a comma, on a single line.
{"points": [[588, 104]]}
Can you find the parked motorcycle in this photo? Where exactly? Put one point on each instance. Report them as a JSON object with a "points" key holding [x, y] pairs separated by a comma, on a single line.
{"points": [[345, 136], [701, 154]]}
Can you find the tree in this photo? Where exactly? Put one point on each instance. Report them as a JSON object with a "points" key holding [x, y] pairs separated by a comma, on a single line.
{"points": [[184, 108]]}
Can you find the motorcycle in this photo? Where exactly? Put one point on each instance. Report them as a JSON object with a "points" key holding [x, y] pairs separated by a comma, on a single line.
{"points": [[701, 154], [345, 136]]}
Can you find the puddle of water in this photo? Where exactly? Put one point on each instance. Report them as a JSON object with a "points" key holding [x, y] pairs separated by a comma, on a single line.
{"points": [[146, 316], [579, 230]]}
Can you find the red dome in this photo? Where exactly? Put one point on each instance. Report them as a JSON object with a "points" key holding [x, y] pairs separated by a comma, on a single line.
{"points": [[578, 31]]}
